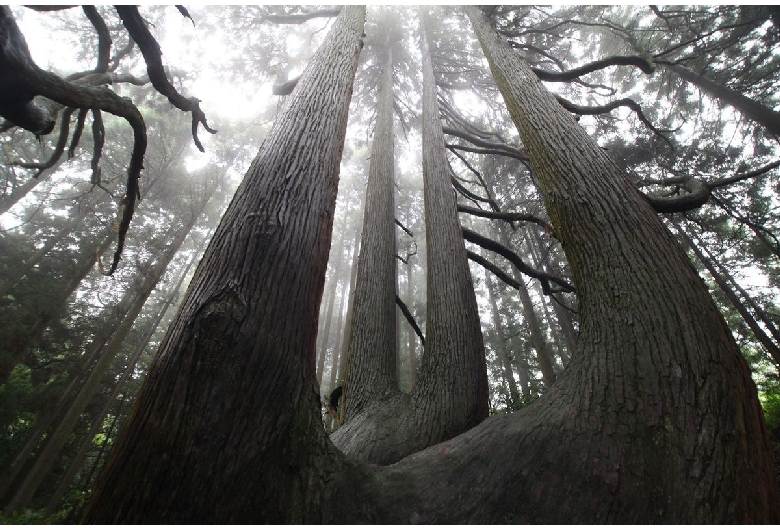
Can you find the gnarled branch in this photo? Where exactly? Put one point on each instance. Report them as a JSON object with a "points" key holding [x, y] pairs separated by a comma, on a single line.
{"points": [[150, 49], [618, 60]]}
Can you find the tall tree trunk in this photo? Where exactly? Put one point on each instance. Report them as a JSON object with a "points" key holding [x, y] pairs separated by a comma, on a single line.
{"points": [[18, 272], [562, 315], [339, 370], [19, 192], [544, 357], [501, 349], [452, 393], [371, 357], [749, 108], [105, 351], [323, 337], [195, 452], [658, 388]]}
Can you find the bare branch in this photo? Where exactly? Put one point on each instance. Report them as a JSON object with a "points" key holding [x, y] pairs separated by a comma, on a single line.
{"points": [[150, 49], [543, 277], [299, 18], [508, 217], [104, 38], [618, 60], [410, 319]]}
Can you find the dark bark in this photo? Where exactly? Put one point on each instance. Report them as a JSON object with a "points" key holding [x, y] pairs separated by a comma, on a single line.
{"points": [[195, 447], [410, 319], [652, 350], [452, 394], [372, 355], [617, 60]]}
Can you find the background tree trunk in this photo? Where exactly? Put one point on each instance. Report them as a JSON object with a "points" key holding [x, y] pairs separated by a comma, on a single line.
{"points": [[452, 393], [371, 357]]}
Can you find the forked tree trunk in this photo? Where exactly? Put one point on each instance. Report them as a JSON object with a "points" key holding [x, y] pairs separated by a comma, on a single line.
{"points": [[452, 393], [657, 418], [195, 445]]}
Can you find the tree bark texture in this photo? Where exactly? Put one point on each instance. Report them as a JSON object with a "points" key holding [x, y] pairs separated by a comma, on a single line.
{"points": [[371, 357], [452, 393], [196, 445], [656, 418]]}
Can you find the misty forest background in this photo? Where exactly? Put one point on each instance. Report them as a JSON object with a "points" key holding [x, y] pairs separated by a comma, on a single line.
{"points": [[659, 89]]}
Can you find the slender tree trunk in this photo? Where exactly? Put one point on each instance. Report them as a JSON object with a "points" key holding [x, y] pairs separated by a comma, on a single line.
{"points": [[769, 345], [105, 351], [19, 192], [195, 452], [324, 336], [501, 348], [653, 348], [371, 357], [749, 108], [452, 394], [18, 272], [338, 373], [410, 334], [543, 354]]}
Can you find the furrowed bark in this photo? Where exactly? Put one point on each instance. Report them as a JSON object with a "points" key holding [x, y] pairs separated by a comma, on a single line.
{"points": [[193, 447]]}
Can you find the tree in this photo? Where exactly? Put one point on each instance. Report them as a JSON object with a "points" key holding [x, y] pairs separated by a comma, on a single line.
{"points": [[451, 395], [276, 236], [655, 419]]}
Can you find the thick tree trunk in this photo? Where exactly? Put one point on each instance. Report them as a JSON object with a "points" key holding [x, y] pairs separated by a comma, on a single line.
{"points": [[452, 393], [371, 357], [658, 401], [195, 447], [749, 108]]}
